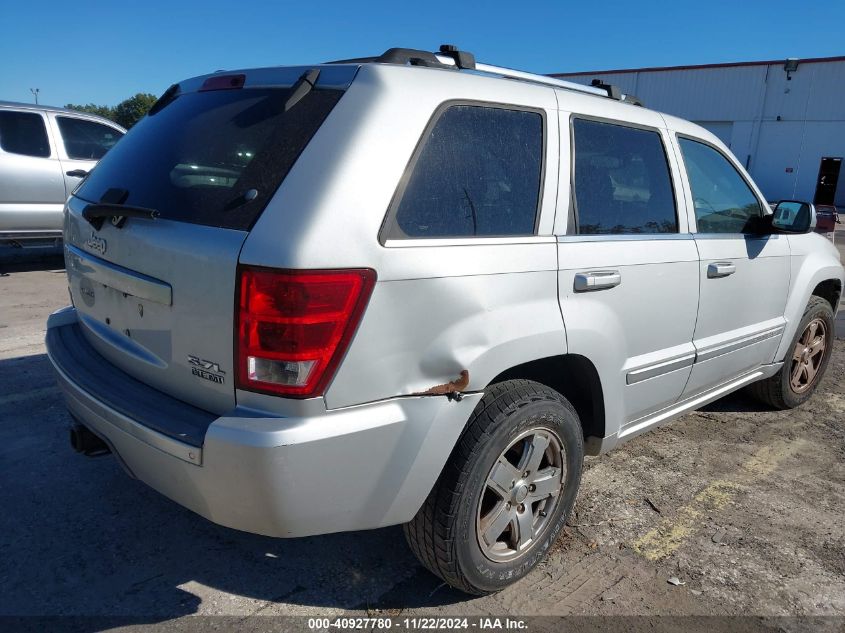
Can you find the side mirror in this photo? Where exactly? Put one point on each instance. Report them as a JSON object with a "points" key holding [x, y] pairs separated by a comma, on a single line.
{"points": [[794, 216]]}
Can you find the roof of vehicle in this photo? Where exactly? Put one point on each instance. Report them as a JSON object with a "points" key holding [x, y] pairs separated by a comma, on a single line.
{"points": [[448, 57], [456, 63], [46, 108]]}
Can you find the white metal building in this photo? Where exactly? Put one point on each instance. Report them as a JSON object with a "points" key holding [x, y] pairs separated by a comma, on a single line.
{"points": [[785, 120]]}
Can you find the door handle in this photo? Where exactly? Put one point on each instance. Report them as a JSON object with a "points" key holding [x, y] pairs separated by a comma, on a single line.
{"points": [[599, 280], [720, 269], [77, 173]]}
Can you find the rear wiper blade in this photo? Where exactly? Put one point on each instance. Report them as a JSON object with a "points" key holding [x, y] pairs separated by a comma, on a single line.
{"points": [[97, 212], [247, 196]]}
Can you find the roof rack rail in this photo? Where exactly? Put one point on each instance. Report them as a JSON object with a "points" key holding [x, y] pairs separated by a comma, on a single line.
{"points": [[615, 93], [449, 56]]}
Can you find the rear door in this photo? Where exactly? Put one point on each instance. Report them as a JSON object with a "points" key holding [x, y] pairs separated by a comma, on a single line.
{"points": [[32, 191], [744, 276], [81, 143], [628, 267], [156, 297]]}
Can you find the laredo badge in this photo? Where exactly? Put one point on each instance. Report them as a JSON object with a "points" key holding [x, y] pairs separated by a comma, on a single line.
{"points": [[206, 369]]}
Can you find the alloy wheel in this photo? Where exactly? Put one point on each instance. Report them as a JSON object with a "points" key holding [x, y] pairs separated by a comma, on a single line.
{"points": [[520, 494], [808, 355]]}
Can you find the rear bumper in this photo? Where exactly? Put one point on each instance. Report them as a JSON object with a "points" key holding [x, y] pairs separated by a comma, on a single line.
{"points": [[356, 468]]}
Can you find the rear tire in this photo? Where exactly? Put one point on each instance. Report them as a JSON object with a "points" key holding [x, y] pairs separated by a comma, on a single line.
{"points": [[506, 491], [806, 360]]}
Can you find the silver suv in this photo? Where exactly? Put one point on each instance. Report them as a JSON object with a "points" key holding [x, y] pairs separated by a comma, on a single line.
{"points": [[44, 153], [416, 289]]}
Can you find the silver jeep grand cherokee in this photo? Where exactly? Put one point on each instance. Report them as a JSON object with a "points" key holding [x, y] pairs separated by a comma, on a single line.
{"points": [[418, 289]]}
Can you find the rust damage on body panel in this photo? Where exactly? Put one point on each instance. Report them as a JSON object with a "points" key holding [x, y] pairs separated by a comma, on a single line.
{"points": [[452, 389]]}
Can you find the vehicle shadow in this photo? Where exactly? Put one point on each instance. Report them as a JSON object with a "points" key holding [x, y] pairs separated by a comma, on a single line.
{"points": [[18, 260], [85, 539], [737, 402]]}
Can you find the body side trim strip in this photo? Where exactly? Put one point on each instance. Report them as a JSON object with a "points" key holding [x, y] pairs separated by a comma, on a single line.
{"points": [[658, 369], [687, 405], [666, 366], [714, 351]]}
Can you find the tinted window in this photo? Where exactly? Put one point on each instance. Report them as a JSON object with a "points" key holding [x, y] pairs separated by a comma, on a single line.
{"points": [[24, 133], [85, 139], [622, 182], [724, 203], [198, 158], [477, 174]]}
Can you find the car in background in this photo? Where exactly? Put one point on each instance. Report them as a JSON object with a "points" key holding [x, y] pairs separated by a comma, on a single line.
{"points": [[44, 153], [827, 217]]}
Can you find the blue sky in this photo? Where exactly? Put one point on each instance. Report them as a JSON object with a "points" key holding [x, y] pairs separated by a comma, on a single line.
{"points": [[103, 52]]}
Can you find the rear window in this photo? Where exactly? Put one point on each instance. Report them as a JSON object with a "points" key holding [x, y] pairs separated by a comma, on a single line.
{"points": [[199, 158]]}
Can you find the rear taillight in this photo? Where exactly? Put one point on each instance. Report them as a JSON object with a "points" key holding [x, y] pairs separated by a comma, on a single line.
{"points": [[295, 326]]}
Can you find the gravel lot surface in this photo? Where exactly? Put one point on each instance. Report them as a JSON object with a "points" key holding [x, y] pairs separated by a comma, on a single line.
{"points": [[743, 505]]}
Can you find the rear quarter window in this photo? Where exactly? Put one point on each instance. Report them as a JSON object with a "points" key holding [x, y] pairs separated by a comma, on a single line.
{"points": [[198, 158], [477, 173]]}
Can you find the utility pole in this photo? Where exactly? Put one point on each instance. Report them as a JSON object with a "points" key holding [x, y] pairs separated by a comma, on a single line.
{"points": [[35, 92]]}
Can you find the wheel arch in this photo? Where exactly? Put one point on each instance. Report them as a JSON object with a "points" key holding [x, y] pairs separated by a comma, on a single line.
{"points": [[824, 281], [577, 379], [830, 290]]}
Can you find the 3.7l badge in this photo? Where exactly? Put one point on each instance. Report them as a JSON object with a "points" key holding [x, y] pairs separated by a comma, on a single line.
{"points": [[206, 369]]}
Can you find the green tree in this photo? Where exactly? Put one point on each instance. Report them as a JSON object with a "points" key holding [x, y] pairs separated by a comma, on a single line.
{"points": [[92, 108], [128, 112]]}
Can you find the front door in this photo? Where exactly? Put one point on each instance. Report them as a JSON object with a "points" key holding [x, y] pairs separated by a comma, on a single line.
{"points": [[744, 277], [828, 179]]}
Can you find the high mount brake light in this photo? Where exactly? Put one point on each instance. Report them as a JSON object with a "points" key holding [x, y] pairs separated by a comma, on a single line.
{"points": [[223, 82], [293, 327]]}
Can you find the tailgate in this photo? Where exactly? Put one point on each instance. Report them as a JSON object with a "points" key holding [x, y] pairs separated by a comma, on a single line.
{"points": [[156, 299], [155, 287]]}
